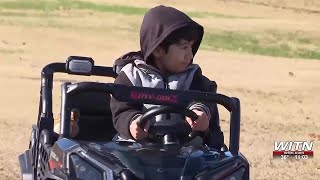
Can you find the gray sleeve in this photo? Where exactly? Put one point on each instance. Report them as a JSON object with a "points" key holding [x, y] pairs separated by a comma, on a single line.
{"points": [[201, 107]]}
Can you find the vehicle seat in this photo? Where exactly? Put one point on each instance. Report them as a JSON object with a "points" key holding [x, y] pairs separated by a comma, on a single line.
{"points": [[95, 121]]}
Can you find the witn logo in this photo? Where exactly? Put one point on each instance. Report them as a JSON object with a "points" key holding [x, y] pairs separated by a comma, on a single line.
{"points": [[298, 149]]}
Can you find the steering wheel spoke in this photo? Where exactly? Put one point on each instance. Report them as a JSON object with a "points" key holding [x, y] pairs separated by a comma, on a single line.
{"points": [[166, 128]]}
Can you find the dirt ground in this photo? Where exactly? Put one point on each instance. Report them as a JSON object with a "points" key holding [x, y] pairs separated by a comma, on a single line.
{"points": [[280, 97]]}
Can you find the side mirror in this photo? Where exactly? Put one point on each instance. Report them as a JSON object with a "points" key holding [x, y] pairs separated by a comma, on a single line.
{"points": [[79, 65]]}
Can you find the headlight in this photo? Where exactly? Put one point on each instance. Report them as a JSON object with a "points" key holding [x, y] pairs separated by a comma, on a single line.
{"points": [[83, 170]]}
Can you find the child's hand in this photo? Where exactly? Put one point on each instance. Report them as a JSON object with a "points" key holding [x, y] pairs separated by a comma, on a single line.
{"points": [[136, 132], [201, 124]]}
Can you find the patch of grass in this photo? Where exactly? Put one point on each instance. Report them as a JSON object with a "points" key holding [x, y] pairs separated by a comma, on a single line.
{"points": [[300, 38], [68, 4], [271, 43], [13, 14], [127, 10], [20, 14], [212, 14], [249, 43], [70, 23], [9, 51], [53, 23], [304, 40], [43, 5], [308, 54]]}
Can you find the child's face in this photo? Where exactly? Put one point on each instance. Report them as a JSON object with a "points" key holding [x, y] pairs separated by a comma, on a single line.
{"points": [[177, 59]]}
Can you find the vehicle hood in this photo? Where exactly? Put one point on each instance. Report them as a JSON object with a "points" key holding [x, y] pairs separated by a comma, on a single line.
{"points": [[155, 162]]}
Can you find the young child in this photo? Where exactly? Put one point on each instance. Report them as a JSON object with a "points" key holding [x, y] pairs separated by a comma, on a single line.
{"points": [[169, 40], [74, 120]]}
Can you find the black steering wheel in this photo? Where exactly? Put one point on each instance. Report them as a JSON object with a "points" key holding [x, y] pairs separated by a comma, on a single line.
{"points": [[166, 129]]}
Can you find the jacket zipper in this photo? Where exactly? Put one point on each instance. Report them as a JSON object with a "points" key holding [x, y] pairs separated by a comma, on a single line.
{"points": [[165, 82], [166, 86]]}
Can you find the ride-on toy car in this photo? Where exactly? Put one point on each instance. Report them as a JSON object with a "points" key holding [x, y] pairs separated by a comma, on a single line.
{"points": [[96, 154]]}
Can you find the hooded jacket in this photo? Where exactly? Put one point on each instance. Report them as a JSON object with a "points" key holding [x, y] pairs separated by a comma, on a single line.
{"points": [[161, 21], [134, 70]]}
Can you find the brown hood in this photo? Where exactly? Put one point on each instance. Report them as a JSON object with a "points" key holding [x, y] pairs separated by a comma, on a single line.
{"points": [[158, 23]]}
